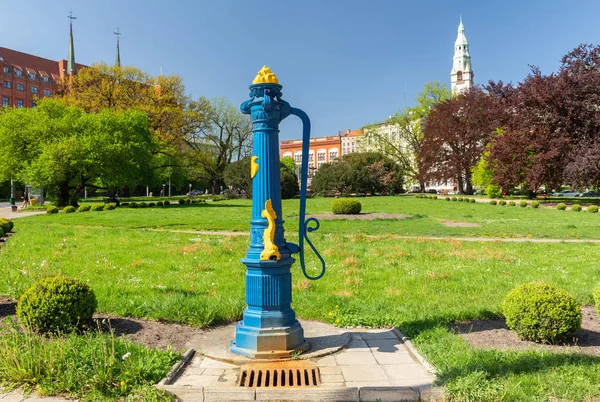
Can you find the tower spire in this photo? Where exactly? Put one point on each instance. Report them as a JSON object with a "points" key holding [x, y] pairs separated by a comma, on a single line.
{"points": [[71, 68], [461, 76], [118, 58]]}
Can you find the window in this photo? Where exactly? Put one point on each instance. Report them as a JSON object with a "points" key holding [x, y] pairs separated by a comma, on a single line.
{"points": [[311, 156], [298, 157], [20, 87], [7, 84], [45, 79], [18, 72], [47, 92], [5, 101], [459, 76], [34, 90], [321, 156], [32, 76], [333, 154], [33, 104], [19, 103], [6, 70]]}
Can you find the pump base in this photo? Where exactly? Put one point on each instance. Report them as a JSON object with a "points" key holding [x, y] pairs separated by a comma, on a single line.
{"points": [[269, 343]]}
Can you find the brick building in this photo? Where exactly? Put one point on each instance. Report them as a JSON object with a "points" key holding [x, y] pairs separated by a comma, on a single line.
{"points": [[321, 150], [26, 78]]}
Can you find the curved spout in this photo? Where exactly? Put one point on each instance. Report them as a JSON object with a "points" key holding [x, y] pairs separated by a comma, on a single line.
{"points": [[304, 228]]}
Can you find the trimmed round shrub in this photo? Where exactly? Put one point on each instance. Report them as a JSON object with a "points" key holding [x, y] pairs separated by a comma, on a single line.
{"points": [[109, 207], [592, 209], [535, 204], [6, 224], [460, 199], [160, 204], [447, 198], [134, 205], [454, 199], [493, 202], [52, 210], [97, 207], [151, 204], [472, 200], [143, 205], [511, 204], [576, 208], [167, 203], [561, 206], [4, 228], [502, 202], [346, 206], [69, 210], [523, 204], [541, 312], [181, 201], [57, 305], [83, 208], [188, 201], [434, 197]]}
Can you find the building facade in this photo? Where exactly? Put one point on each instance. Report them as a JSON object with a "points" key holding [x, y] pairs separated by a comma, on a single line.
{"points": [[26, 78], [461, 76]]}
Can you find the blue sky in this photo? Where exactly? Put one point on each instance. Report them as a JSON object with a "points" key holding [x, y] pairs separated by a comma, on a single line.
{"points": [[346, 63]]}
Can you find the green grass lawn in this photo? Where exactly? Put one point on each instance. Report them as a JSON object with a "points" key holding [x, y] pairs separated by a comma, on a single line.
{"points": [[418, 285], [426, 218]]}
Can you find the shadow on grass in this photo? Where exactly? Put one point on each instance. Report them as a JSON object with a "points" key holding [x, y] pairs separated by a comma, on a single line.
{"points": [[120, 326], [7, 309]]}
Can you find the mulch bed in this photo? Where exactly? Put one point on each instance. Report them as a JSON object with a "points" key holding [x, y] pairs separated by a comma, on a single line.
{"points": [[494, 334], [362, 216], [152, 334]]}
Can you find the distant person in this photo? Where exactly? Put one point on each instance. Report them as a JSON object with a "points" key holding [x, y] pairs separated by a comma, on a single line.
{"points": [[25, 201]]}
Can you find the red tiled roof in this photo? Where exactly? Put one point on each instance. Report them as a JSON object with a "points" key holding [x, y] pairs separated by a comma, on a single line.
{"points": [[17, 59]]}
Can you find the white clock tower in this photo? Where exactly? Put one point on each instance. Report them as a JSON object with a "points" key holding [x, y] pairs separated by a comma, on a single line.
{"points": [[461, 77]]}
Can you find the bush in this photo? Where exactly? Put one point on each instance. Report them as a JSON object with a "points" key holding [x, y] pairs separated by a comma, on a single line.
{"points": [[460, 199], [109, 207], [181, 201], [501, 202], [57, 305], [346, 206], [447, 198], [493, 191], [535, 204], [3, 229], [83, 208], [143, 205], [69, 210], [593, 209], [134, 205], [523, 204], [188, 201], [472, 200], [52, 210], [167, 203], [511, 204], [97, 207], [576, 208], [561, 206], [151, 204], [6, 225], [493, 202], [160, 204], [541, 312], [454, 199]]}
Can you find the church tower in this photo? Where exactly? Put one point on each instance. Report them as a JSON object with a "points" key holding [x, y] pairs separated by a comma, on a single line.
{"points": [[461, 77]]}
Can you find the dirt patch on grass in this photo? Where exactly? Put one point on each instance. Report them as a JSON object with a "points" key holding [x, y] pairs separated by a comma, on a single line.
{"points": [[494, 334], [454, 224], [367, 216], [153, 334]]}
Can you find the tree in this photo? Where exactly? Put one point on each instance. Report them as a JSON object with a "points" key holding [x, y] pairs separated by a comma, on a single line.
{"points": [[223, 138], [407, 125], [237, 177], [359, 173], [64, 149], [455, 134]]}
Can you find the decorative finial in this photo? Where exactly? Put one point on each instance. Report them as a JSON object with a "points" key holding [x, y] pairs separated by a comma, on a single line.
{"points": [[70, 17], [265, 75]]}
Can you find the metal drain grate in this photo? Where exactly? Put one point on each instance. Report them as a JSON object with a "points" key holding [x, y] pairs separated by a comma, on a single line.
{"points": [[279, 375]]}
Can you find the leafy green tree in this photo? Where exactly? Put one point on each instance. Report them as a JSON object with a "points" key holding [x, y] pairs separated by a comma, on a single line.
{"points": [[237, 177], [402, 143], [64, 149], [359, 173]]}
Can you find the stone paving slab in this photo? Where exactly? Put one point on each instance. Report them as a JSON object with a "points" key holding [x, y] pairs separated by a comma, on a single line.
{"points": [[373, 365], [17, 396]]}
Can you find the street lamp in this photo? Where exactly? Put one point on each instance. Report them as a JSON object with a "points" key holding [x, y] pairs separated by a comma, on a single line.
{"points": [[163, 192], [190, 188]]}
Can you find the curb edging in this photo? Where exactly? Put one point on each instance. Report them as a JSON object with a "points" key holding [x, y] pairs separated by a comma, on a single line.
{"points": [[178, 367]]}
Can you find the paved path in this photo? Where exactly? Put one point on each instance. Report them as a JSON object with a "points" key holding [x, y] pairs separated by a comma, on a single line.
{"points": [[16, 396], [6, 212], [376, 365]]}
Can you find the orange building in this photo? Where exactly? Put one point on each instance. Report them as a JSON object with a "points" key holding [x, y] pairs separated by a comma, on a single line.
{"points": [[26, 77], [321, 150]]}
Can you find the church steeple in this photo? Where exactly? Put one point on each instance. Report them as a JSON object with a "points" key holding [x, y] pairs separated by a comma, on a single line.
{"points": [[118, 58], [71, 68], [461, 76]]}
